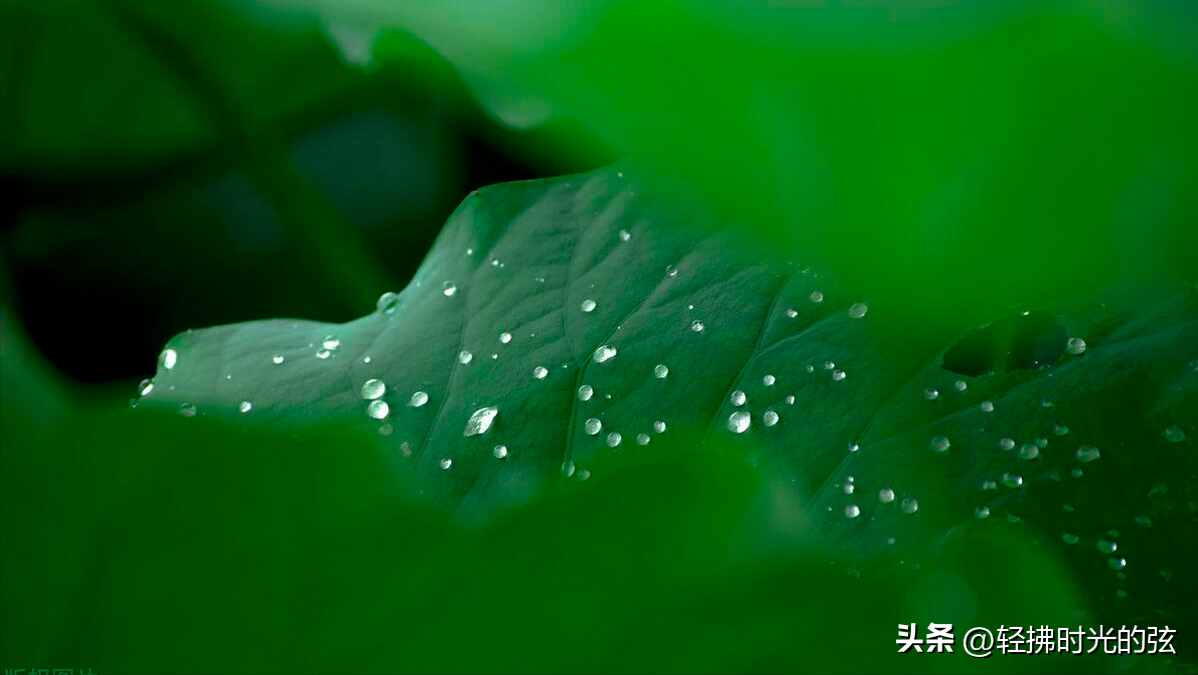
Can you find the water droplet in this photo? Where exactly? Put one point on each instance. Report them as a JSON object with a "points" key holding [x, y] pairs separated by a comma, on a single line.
{"points": [[500, 451], [567, 468], [386, 430], [642, 439], [960, 385], [1070, 538], [480, 421], [1117, 563], [418, 399], [792, 313], [739, 422], [940, 443], [540, 372], [1107, 546], [592, 426], [1075, 346], [245, 407], [1174, 434], [852, 511], [987, 406], [659, 427], [660, 371], [366, 359], [738, 398], [816, 296], [277, 359], [588, 305], [330, 343], [858, 310], [697, 326], [605, 353], [1060, 430], [1007, 444], [187, 410], [378, 409], [145, 387], [854, 447], [989, 485], [1028, 451], [770, 418], [1087, 453], [613, 439], [768, 380], [169, 358], [981, 512], [446, 463], [909, 505], [323, 354], [625, 235], [585, 392], [465, 357], [448, 289], [671, 271], [885, 495], [388, 302], [505, 337], [931, 394], [838, 375], [373, 389], [1011, 480]]}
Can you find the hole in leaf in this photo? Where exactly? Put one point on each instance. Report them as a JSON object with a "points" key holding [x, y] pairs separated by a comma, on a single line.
{"points": [[1026, 340]]}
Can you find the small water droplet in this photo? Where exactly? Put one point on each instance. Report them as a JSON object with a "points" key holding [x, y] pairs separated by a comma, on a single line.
{"points": [[480, 421], [169, 358], [1070, 538], [1028, 451], [981, 512], [987, 406], [585, 392], [770, 418], [277, 359], [1087, 453], [386, 430], [1174, 434], [671, 271], [659, 427], [625, 235], [448, 289], [500, 451], [1075, 346], [790, 400], [1107, 546], [960, 385], [838, 375], [858, 310], [378, 409], [592, 426], [323, 354], [245, 407], [1007, 444], [366, 359], [792, 313], [738, 398], [885, 495], [1143, 521], [1060, 430], [465, 357], [567, 468], [940, 443], [854, 447], [852, 511], [145, 387], [505, 337], [909, 505], [769, 380], [418, 399], [642, 439], [330, 343], [387, 303], [697, 326], [989, 485], [816, 296], [187, 410], [373, 389], [613, 439], [1117, 563], [588, 305], [931, 394], [540, 372], [605, 353], [739, 422], [1011, 480], [446, 463]]}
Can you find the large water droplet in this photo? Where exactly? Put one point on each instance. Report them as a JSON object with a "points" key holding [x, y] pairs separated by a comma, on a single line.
{"points": [[373, 389], [245, 407], [987, 406], [625, 235], [838, 375], [567, 468], [885, 495], [585, 392], [852, 511], [1028, 451], [448, 289], [816, 296], [660, 371], [465, 357], [697, 326], [592, 426], [588, 305], [909, 505], [659, 427], [378, 409], [1174, 434], [1087, 453], [500, 451], [1007, 443], [770, 418], [605, 353], [739, 422], [388, 302], [505, 337], [480, 421], [790, 400], [940, 443], [540, 372], [418, 399], [738, 398], [858, 310], [446, 463], [169, 358], [613, 439], [330, 343], [769, 380], [642, 439], [1076, 346]]}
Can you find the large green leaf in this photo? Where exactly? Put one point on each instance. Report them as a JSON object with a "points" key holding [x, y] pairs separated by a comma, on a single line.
{"points": [[880, 451]]}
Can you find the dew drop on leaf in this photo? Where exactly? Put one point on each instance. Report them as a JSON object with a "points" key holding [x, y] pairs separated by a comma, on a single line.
{"points": [[446, 463], [1076, 346], [245, 407], [1070, 538], [981, 512], [588, 305], [770, 418], [769, 380], [465, 357], [838, 375], [592, 426], [940, 443], [858, 310], [697, 326], [659, 427], [418, 399], [373, 389], [987, 406], [500, 451], [169, 358], [642, 439], [187, 410], [885, 495], [480, 421], [852, 511], [931, 394], [505, 337], [909, 505], [660, 371], [378, 409], [145, 387], [1087, 453], [1174, 434], [540, 372], [567, 468], [816, 296], [1106, 546], [277, 359], [387, 303], [738, 398], [605, 353], [739, 422], [448, 289], [585, 392], [613, 439]]}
